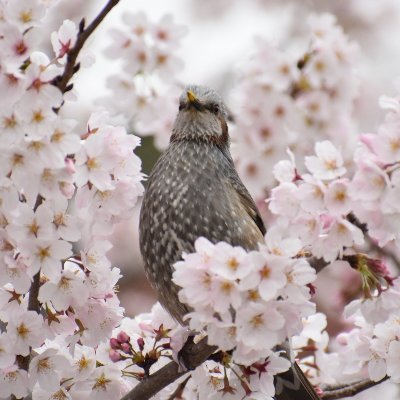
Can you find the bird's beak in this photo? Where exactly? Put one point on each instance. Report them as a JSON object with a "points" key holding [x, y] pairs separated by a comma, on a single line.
{"points": [[193, 101]]}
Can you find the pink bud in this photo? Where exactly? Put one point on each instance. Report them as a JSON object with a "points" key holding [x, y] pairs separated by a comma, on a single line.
{"points": [[126, 348], [114, 344], [114, 355], [123, 337], [140, 343]]}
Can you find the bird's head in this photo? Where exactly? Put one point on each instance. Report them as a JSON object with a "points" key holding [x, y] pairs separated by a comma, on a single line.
{"points": [[202, 116]]}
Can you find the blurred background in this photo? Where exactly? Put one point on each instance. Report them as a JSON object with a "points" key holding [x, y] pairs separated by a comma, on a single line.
{"points": [[216, 45]]}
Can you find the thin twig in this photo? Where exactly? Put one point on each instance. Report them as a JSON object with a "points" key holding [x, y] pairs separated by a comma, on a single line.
{"points": [[170, 373], [338, 392], [70, 67]]}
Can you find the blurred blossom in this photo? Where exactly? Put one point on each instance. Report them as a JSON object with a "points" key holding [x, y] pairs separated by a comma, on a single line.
{"points": [[148, 84], [282, 99]]}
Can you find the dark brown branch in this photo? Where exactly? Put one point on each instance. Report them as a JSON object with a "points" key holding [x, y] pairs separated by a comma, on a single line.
{"points": [[33, 303], [338, 392], [71, 67], [195, 353]]}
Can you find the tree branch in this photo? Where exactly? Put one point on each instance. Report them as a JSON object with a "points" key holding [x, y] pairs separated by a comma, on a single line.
{"points": [[71, 67], [338, 392], [33, 303], [148, 387]]}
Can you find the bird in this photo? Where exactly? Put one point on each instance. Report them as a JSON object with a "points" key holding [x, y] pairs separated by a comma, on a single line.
{"points": [[195, 191]]}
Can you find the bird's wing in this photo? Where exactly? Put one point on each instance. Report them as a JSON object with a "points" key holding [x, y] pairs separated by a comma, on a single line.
{"points": [[250, 207], [246, 226], [244, 196], [247, 201]]}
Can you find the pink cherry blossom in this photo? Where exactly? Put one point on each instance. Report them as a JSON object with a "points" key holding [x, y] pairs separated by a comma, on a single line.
{"points": [[63, 40], [46, 367], [24, 331], [328, 162], [13, 381]]}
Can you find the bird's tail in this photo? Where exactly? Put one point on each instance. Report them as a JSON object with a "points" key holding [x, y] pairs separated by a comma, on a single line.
{"points": [[293, 385]]}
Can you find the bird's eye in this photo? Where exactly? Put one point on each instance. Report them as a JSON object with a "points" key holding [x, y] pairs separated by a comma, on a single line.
{"points": [[214, 108], [181, 106]]}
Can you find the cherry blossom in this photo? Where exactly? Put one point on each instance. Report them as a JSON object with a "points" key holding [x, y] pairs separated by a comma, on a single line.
{"points": [[149, 81], [13, 381], [298, 98], [45, 369], [328, 162], [63, 40], [25, 330]]}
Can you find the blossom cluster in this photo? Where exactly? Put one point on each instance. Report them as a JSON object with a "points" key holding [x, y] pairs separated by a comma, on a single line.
{"points": [[284, 97], [140, 346], [372, 347], [45, 163], [316, 204], [376, 182], [331, 212], [148, 83]]}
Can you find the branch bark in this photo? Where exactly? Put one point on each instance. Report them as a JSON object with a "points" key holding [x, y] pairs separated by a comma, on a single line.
{"points": [[338, 392], [148, 387], [71, 67]]}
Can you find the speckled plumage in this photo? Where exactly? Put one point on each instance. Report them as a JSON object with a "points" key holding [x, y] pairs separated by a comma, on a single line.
{"points": [[193, 190]]}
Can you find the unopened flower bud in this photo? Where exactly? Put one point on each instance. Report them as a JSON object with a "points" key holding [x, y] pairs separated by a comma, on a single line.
{"points": [[114, 355], [114, 344], [140, 343], [126, 348], [123, 337]]}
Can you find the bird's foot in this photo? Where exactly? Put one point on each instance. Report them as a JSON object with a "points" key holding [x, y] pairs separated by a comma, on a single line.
{"points": [[185, 355]]}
